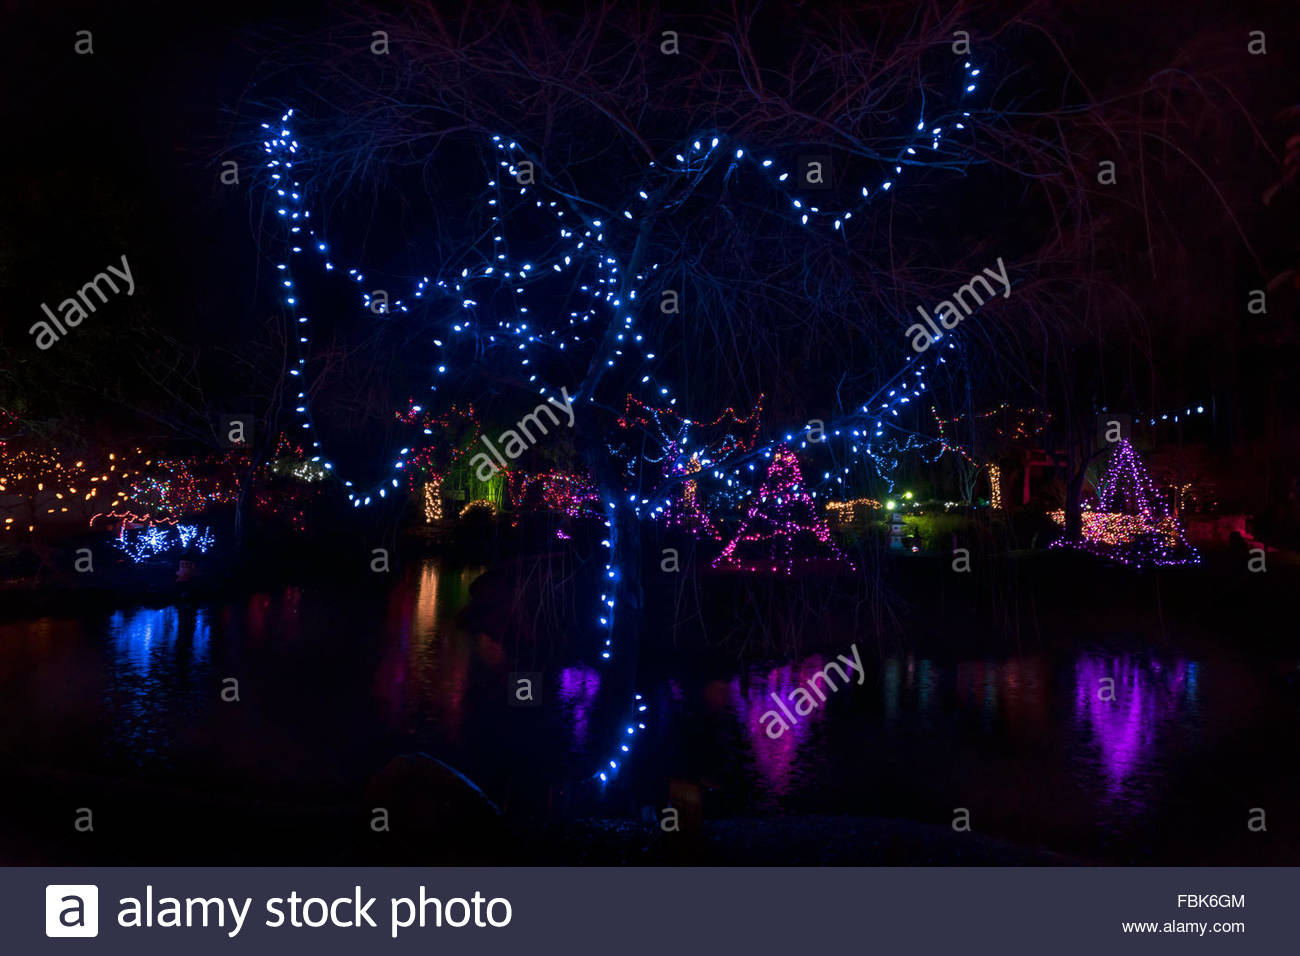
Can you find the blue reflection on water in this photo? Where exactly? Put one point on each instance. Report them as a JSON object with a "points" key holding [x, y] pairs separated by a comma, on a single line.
{"points": [[141, 636], [159, 675]]}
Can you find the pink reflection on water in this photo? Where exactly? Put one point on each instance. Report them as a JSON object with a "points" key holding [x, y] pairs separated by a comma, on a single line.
{"points": [[774, 757], [1124, 729]]}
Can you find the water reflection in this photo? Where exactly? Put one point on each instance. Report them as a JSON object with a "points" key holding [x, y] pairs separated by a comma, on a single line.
{"points": [[774, 757], [266, 619], [1010, 695], [983, 712], [328, 673], [424, 681], [424, 676], [1124, 703], [579, 687], [160, 666], [908, 685]]}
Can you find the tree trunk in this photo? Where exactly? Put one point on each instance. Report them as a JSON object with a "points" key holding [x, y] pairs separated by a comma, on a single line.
{"points": [[629, 596], [241, 512], [624, 552], [1074, 505], [247, 481]]}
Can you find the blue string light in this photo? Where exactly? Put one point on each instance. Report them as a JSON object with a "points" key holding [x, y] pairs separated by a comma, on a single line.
{"points": [[584, 254], [155, 541], [1176, 415]]}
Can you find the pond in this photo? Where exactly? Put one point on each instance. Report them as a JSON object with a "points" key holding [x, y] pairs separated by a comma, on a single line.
{"points": [[1103, 749]]}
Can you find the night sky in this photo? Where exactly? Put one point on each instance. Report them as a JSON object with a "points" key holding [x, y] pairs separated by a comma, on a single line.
{"points": [[121, 151]]}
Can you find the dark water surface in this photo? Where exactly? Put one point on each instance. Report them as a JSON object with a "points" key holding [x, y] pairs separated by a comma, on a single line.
{"points": [[331, 686]]}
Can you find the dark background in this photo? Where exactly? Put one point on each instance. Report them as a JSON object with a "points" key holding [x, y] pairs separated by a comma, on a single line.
{"points": [[120, 151]]}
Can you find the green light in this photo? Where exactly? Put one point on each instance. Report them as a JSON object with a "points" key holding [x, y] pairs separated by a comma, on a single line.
{"points": [[907, 495], [889, 506]]}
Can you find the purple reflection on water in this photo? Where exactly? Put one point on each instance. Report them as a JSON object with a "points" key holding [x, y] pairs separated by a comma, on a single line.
{"points": [[1146, 694], [578, 689], [774, 757]]}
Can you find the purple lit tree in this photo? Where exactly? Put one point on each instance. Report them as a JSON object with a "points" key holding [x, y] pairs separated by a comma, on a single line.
{"points": [[1131, 523]]}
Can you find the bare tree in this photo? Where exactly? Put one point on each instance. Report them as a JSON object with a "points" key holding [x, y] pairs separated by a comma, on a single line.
{"points": [[590, 164]]}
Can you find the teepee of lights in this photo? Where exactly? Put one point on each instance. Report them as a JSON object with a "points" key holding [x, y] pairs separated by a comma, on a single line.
{"points": [[1131, 524], [782, 531]]}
